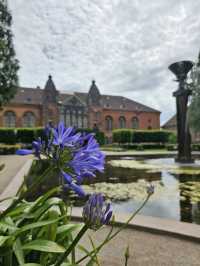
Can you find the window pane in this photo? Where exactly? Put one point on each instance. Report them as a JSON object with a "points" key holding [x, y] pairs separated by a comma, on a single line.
{"points": [[29, 120], [135, 123], [9, 119], [109, 123], [122, 122]]}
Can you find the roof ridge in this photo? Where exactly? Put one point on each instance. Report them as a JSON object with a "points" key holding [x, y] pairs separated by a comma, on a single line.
{"points": [[141, 104]]}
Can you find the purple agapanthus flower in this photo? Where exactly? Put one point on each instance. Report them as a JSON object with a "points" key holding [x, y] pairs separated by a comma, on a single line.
{"points": [[70, 184], [65, 137], [47, 130], [88, 160], [84, 152], [96, 211], [36, 149]]}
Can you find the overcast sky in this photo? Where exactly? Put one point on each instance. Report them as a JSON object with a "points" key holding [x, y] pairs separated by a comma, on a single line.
{"points": [[125, 45]]}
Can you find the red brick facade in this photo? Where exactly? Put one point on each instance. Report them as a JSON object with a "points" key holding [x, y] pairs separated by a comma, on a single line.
{"points": [[36, 107]]}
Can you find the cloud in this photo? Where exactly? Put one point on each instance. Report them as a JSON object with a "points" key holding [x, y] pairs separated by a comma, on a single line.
{"points": [[126, 45]]}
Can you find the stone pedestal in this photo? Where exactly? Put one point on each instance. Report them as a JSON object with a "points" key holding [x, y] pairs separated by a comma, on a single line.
{"points": [[183, 132]]}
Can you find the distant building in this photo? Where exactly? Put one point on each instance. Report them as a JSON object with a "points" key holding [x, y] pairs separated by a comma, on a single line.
{"points": [[171, 125], [37, 107]]}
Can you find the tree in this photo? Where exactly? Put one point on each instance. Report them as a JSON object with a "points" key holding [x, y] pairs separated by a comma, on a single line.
{"points": [[8, 63], [194, 109]]}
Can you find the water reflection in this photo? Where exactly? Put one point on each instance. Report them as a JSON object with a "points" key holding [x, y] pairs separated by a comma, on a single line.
{"points": [[174, 196]]}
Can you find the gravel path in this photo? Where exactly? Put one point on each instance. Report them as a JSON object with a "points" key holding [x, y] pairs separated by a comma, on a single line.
{"points": [[147, 249]]}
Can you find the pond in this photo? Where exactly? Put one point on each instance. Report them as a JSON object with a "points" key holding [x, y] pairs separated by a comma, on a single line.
{"points": [[177, 187], [124, 182]]}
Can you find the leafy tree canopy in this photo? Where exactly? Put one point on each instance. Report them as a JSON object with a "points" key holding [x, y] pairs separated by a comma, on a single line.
{"points": [[194, 110], [8, 63]]}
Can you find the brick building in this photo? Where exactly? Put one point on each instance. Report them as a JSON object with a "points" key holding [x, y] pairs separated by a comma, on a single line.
{"points": [[36, 107], [171, 125]]}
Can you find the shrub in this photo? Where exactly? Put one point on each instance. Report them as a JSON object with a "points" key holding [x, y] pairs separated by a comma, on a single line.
{"points": [[8, 135], [196, 147], [141, 136], [25, 135], [9, 149], [171, 147], [172, 138], [123, 135], [140, 147], [28, 135], [100, 137], [155, 136], [39, 132]]}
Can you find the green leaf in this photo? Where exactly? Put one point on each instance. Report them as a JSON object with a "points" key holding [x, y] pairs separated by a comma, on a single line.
{"points": [[3, 239], [31, 264], [19, 210], [68, 228], [5, 226], [44, 245], [83, 249], [47, 205], [37, 224], [52, 191], [51, 229], [95, 251], [17, 247]]}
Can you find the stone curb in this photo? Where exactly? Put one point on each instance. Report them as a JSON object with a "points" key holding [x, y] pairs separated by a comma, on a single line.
{"points": [[113, 154], [154, 225], [14, 185]]}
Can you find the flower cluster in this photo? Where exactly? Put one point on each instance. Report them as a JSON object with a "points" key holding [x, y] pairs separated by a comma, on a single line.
{"points": [[96, 212], [76, 155]]}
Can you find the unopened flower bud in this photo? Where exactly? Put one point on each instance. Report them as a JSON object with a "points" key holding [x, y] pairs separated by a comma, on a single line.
{"points": [[96, 212]]}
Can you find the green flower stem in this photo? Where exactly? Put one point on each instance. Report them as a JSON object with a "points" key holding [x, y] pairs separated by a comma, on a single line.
{"points": [[72, 246], [27, 193], [8, 259], [117, 232]]}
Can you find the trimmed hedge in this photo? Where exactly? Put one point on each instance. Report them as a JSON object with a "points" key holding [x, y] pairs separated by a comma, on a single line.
{"points": [[8, 135], [122, 136], [19, 135], [196, 147], [100, 137], [28, 135], [25, 135], [141, 136], [9, 149]]}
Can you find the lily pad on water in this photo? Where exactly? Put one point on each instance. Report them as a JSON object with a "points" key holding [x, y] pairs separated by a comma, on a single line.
{"points": [[125, 191], [190, 191], [154, 168]]}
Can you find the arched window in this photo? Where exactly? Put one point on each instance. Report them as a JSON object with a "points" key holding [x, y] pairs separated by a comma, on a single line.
{"points": [[29, 119], [135, 123], [9, 119], [122, 122], [109, 123]]}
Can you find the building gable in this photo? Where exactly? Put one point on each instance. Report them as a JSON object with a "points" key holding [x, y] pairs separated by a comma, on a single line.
{"points": [[73, 101]]}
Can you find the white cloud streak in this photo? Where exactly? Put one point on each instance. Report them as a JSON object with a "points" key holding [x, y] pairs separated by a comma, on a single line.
{"points": [[126, 45]]}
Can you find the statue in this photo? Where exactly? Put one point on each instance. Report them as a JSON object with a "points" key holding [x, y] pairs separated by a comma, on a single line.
{"points": [[181, 69]]}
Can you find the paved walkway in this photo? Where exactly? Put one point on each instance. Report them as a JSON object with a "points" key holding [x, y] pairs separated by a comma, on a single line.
{"points": [[146, 249], [13, 163]]}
